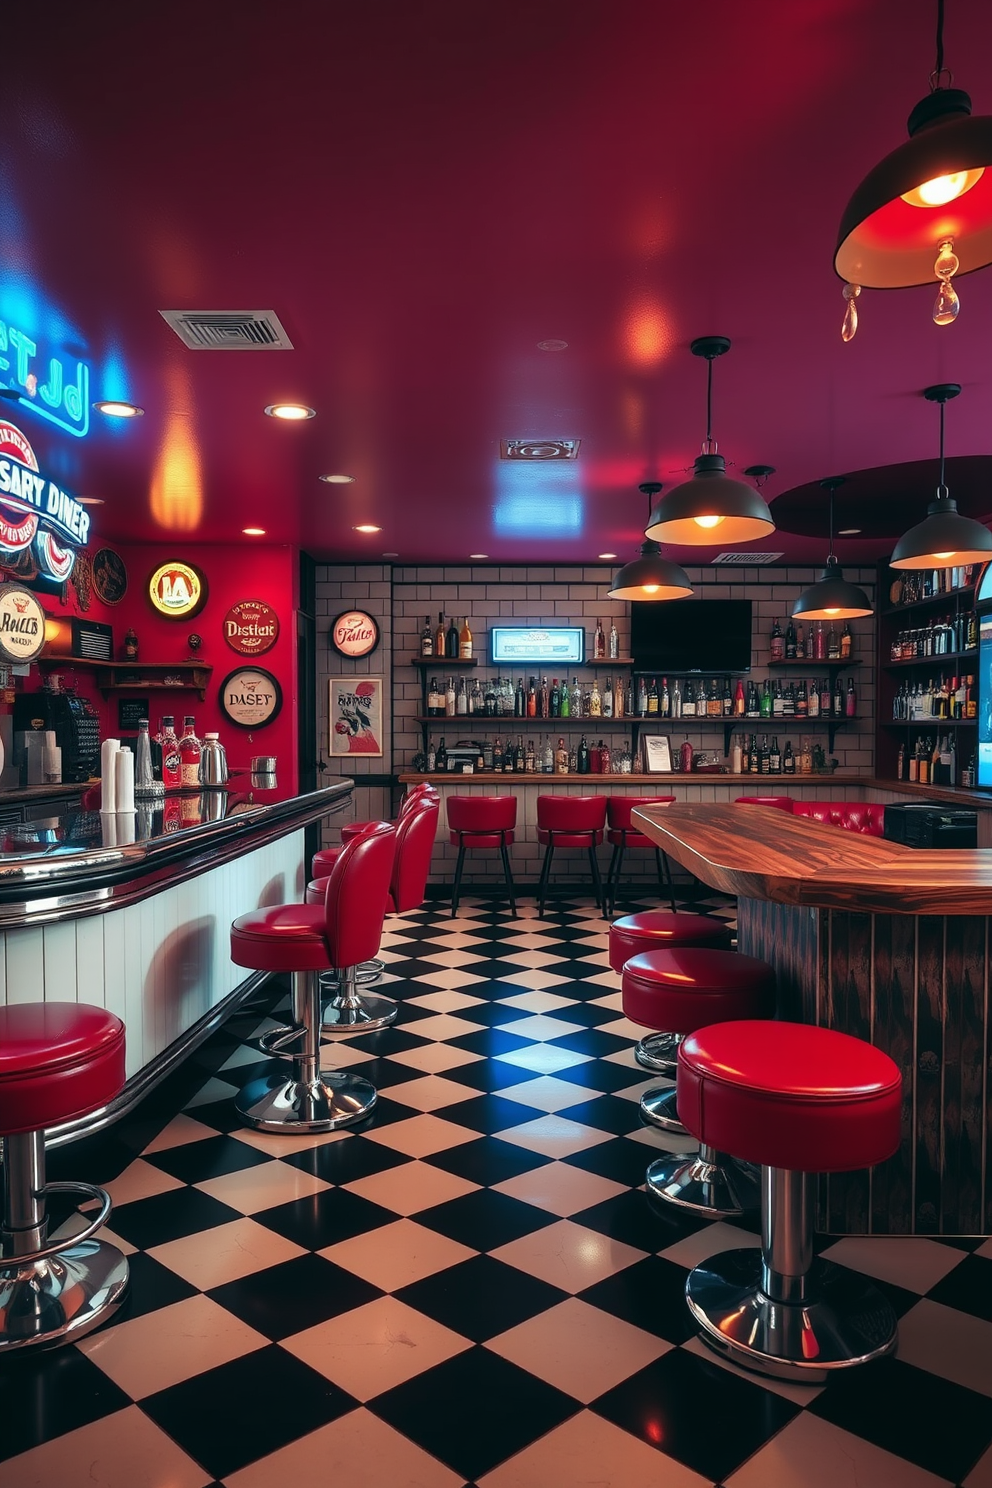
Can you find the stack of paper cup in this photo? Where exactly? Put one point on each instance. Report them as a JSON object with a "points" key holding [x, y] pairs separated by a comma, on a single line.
{"points": [[109, 750], [124, 779]]}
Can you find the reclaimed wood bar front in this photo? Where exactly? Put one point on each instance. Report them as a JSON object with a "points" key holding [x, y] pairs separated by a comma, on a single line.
{"points": [[890, 944]]}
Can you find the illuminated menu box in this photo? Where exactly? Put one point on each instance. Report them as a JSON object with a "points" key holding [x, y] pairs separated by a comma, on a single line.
{"points": [[561, 646]]}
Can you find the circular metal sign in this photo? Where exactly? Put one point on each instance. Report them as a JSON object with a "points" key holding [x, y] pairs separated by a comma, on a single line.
{"points": [[355, 633], [177, 590], [22, 624], [251, 627], [250, 697]]}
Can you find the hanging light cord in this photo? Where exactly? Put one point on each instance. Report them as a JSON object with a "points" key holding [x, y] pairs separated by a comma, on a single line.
{"points": [[942, 491], [830, 553], [710, 447], [939, 68]]}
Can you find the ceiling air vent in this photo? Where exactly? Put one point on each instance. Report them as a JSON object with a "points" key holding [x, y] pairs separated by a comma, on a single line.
{"points": [[228, 330], [746, 560], [539, 449]]}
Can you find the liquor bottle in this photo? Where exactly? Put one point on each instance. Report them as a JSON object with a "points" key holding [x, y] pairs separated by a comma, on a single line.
{"points": [[727, 700], [595, 759], [172, 769], [739, 705], [851, 700], [575, 700], [461, 700], [789, 701], [583, 757], [476, 705], [813, 700], [608, 698], [825, 698], [548, 757], [819, 642], [802, 701], [427, 638], [685, 756], [595, 700], [435, 706], [618, 699], [628, 699], [653, 697], [532, 698], [736, 756], [790, 642], [767, 705], [800, 644], [642, 697], [449, 699], [431, 749], [520, 756], [519, 700], [189, 752], [838, 707], [440, 635], [465, 641], [777, 652], [914, 762], [846, 642], [833, 643], [530, 760], [753, 758], [599, 642], [775, 758], [554, 700], [451, 641], [565, 700], [561, 758], [614, 641], [664, 700], [497, 758], [764, 757], [487, 754], [788, 760], [544, 702], [778, 699], [131, 646], [573, 761], [441, 764]]}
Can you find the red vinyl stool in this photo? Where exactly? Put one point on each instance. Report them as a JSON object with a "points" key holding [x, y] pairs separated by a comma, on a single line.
{"points": [[682, 991], [58, 1061], [305, 940], [481, 822], [348, 1010], [622, 834], [798, 1100], [659, 930], [570, 821]]}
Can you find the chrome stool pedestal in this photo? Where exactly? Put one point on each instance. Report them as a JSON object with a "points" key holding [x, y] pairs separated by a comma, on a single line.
{"points": [[313, 1100], [54, 1292], [781, 1312], [659, 1053], [350, 1011], [707, 1182]]}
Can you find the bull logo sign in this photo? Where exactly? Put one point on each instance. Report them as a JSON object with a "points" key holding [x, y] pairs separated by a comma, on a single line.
{"points": [[177, 590]]}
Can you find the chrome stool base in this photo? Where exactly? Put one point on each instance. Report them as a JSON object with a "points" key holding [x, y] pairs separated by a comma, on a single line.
{"points": [[659, 1052], [841, 1321], [43, 1303], [275, 1104], [345, 1015], [658, 1108], [707, 1182], [365, 973]]}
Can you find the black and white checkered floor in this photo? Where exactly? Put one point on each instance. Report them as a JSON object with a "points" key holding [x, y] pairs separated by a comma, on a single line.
{"points": [[474, 1288]]}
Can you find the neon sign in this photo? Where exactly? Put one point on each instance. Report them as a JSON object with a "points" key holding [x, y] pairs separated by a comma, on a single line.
{"points": [[63, 397], [34, 509]]}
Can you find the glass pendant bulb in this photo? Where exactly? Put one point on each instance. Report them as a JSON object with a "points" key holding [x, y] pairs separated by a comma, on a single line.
{"points": [[947, 304], [849, 325]]}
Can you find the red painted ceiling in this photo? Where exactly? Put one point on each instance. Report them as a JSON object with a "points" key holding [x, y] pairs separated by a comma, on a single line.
{"points": [[422, 192]]}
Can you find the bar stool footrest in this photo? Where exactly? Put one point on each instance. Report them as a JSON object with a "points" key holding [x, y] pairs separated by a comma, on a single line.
{"points": [[658, 1108], [334, 1099], [341, 1019], [659, 1053], [706, 1182]]}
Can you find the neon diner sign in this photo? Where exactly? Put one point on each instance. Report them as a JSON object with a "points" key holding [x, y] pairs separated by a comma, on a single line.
{"points": [[63, 397], [35, 509]]}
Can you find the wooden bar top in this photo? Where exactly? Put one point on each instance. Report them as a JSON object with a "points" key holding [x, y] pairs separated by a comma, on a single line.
{"points": [[762, 853]]}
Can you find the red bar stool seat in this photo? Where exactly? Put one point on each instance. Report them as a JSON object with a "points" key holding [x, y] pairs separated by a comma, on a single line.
{"points": [[797, 1100], [622, 834], [477, 824], [682, 991], [58, 1061], [348, 1010], [303, 940], [570, 821], [658, 930]]}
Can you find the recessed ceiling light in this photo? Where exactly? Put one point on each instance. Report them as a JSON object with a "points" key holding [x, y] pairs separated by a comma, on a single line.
{"points": [[367, 527], [337, 480], [848, 531], [115, 408], [552, 345], [253, 531], [90, 500], [390, 555], [292, 412], [478, 555], [607, 555]]}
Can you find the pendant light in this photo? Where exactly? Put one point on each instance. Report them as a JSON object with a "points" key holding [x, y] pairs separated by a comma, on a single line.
{"points": [[710, 507], [926, 210], [944, 539], [832, 597], [650, 576]]}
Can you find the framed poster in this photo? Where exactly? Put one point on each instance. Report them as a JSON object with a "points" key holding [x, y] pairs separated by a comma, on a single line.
{"points": [[657, 754], [355, 715], [250, 697]]}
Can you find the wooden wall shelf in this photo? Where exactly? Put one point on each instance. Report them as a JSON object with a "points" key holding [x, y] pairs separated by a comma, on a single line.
{"points": [[137, 676]]}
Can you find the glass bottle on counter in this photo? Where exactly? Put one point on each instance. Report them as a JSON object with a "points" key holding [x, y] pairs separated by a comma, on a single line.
{"points": [[427, 638], [172, 770], [146, 783], [465, 641], [561, 758], [190, 750]]}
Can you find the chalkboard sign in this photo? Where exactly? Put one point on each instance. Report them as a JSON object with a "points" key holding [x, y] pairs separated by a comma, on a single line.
{"points": [[130, 712]]}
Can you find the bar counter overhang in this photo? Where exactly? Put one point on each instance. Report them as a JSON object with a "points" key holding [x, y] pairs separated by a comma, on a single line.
{"points": [[885, 942]]}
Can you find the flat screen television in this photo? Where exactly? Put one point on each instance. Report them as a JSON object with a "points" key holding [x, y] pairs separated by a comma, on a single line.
{"points": [[691, 635]]}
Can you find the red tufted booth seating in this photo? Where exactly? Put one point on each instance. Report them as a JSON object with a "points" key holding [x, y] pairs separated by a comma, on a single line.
{"points": [[679, 991], [622, 834], [797, 1099], [324, 860], [478, 823], [304, 940], [349, 1011], [570, 821], [867, 817], [59, 1062]]}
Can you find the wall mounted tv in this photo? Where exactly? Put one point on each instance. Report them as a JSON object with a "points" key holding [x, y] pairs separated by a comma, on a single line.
{"points": [[691, 635]]}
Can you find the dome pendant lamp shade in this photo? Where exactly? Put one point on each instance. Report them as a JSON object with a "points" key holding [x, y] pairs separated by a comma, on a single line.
{"points": [[710, 507], [944, 539], [650, 577], [832, 597]]}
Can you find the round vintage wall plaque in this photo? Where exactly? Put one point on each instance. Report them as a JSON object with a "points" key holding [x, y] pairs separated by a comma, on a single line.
{"points": [[22, 624], [177, 590], [109, 576], [251, 627], [355, 633], [250, 697]]}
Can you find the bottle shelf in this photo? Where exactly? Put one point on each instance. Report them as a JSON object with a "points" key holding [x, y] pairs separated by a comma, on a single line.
{"points": [[929, 723], [509, 723], [930, 661], [805, 663], [934, 601], [442, 663]]}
